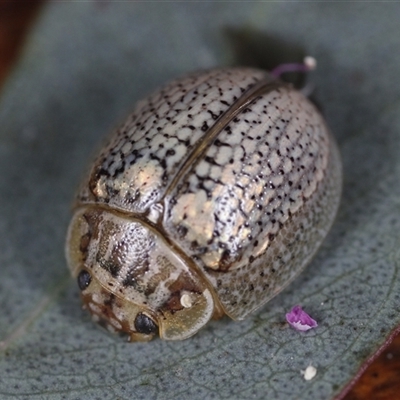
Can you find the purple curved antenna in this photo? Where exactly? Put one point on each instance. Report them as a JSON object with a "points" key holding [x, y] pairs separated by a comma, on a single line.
{"points": [[309, 63]]}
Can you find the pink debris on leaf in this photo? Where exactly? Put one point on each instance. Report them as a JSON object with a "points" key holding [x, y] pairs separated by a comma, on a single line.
{"points": [[300, 320]]}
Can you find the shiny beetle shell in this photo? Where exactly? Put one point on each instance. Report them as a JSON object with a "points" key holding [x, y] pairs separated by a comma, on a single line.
{"points": [[209, 200]]}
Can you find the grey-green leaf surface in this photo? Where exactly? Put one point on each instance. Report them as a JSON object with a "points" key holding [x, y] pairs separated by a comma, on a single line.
{"points": [[82, 69]]}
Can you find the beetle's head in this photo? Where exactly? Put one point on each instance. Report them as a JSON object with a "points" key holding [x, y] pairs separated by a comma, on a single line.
{"points": [[131, 278]]}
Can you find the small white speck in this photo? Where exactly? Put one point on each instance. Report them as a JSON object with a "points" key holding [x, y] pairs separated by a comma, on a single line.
{"points": [[309, 372], [155, 212], [310, 62], [178, 372], [186, 301]]}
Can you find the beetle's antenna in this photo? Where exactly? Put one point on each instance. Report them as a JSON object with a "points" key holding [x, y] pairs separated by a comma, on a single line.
{"points": [[309, 64]]}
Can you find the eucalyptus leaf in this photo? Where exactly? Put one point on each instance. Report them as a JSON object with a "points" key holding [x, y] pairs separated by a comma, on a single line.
{"points": [[83, 68]]}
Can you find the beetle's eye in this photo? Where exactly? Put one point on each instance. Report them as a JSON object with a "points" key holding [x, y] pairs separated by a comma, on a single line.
{"points": [[144, 324], [84, 279]]}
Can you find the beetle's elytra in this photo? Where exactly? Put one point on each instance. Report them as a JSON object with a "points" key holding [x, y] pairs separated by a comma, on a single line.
{"points": [[211, 197]]}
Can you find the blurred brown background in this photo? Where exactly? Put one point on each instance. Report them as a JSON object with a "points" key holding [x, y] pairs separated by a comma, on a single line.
{"points": [[380, 381]]}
